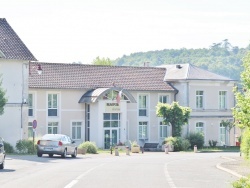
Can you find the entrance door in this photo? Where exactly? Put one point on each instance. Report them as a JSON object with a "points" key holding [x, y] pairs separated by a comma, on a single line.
{"points": [[110, 138]]}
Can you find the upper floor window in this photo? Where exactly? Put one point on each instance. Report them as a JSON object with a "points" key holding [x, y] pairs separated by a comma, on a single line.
{"points": [[30, 104], [199, 99], [164, 99], [199, 128], [143, 105], [111, 120], [53, 128], [52, 104], [222, 100], [76, 130], [143, 130]]}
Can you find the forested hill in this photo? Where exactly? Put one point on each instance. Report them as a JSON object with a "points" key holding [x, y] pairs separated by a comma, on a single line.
{"points": [[221, 58]]}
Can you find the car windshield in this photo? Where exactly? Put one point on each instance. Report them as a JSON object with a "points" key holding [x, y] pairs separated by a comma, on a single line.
{"points": [[52, 137]]}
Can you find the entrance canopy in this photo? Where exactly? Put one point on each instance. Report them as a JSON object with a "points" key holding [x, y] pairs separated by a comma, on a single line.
{"points": [[94, 95]]}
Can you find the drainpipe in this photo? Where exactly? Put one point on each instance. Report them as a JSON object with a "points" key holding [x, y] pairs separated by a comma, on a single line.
{"points": [[176, 91]]}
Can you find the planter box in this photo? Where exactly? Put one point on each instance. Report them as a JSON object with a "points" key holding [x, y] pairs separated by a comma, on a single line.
{"points": [[82, 151], [135, 149]]}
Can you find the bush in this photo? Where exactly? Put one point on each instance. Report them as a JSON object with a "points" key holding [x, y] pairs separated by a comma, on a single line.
{"points": [[212, 143], [179, 143], [196, 139], [8, 147], [90, 146], [25, 146], [245, 143], [242, 182]]}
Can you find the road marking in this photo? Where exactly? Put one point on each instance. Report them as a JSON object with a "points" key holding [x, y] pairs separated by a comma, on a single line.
{"points": [[75, 181], [169, 179]]}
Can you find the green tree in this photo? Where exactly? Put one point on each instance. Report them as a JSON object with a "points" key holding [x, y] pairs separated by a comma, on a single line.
{"points": [[102, 61], [3, 99], [174, 115], [241, 110]]}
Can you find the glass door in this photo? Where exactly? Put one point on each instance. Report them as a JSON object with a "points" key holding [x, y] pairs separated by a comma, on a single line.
{"points": [[110, 138]]}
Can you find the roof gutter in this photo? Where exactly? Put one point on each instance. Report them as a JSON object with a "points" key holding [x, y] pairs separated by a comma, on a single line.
{"points": [[176, 91]]}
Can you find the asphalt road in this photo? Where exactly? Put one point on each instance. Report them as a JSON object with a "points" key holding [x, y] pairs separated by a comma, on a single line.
{"points": [[148, 170]]}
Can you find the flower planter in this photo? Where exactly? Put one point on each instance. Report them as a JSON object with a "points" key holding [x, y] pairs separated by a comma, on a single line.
{"points": [[82, 151], [135, 149]]}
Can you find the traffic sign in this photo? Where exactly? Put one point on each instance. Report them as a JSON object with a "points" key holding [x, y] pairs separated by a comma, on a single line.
{"points": [[34, 124]]}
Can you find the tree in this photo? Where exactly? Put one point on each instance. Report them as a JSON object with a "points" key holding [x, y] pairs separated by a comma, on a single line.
{"points": [[174, 115], [102, 61], [3, 99]]}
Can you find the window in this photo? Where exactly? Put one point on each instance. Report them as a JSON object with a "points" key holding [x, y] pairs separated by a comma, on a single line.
{"points": [[30, 104], [199, 99], [164, 99], [52, 104], [30, 129], [222, 134], [143, 105], [76, 130], [111, 120], [53, 128], [87, 122], [163, 130], [199, 127], [143, 130], [222, 99]]}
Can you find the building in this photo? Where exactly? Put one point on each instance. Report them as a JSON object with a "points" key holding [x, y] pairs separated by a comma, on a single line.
{"points": [[107, 104]]}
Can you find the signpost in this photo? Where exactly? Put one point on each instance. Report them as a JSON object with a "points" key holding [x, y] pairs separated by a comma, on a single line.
{"points": [[34, 125]]}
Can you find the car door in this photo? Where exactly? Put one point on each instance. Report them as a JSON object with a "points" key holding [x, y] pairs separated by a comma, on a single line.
{"points": [[71, 145]]}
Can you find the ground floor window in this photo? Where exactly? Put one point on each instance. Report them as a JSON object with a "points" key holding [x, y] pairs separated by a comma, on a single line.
{"points": [[199, 128], [30, 130], [76, 130], [143, 130], [53, 128], [222, 134], [163, 130]]}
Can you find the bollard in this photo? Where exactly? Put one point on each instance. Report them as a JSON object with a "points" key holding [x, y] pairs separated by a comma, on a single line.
{"points": [[127, 150], [195, 148], [116, 151], [142, 149], [166, 149]]}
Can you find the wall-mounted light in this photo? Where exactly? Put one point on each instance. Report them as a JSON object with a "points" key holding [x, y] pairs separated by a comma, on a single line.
{"points": [[38, 68]]}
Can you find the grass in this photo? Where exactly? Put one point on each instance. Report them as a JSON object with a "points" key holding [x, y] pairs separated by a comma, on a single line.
{"points": [[220, 149]]}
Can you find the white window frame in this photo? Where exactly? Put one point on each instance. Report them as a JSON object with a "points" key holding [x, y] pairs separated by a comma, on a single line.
{"points": [[53, 124], [162, 100], [199, 99], [31, 104], [222, 135], [30, 129], [75, 126], [143, 105], [52, 106], [143, 130], [162, 129], [222, 100], [200, 127]]}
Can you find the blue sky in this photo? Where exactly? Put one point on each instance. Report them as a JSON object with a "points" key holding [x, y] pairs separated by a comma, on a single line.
{"points": [[67, 31]]}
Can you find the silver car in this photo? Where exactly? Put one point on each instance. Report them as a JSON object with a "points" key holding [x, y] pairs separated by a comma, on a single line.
{"points": [[56, 144], [2, 154]]}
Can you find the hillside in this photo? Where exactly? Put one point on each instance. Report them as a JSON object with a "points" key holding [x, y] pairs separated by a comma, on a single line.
{"points": [[221, 58]]}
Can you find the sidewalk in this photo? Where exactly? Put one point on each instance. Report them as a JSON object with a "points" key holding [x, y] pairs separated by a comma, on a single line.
{"points": [[237, 166]]}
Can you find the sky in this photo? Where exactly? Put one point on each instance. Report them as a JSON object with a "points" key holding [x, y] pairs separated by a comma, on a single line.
{"points": [[66, 31]]}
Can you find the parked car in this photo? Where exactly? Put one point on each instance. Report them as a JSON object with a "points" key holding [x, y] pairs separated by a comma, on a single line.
{"points": [[56, 144], [2, 154]]}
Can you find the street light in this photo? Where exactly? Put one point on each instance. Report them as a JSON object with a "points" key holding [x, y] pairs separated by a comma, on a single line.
{"points": [[37, 67]]}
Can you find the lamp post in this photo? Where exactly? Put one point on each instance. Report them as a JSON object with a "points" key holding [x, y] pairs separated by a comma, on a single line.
{"points": [[38, 68]]}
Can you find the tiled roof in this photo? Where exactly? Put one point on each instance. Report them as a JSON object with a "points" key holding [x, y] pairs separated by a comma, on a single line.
{"points": [[79, 76], [190, 72], [11, 46]]}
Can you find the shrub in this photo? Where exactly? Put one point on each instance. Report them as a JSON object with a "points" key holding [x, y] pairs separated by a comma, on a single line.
{"points": [[242, 182], [25, 146], [212, 143], [8, 147], [196, 139], [185, 144], [245, 143], [179, 143], [90, 146]]}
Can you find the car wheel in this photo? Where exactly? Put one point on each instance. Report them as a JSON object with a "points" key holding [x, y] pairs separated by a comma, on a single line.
{"points": [[75, 154], [2, 165], [39, 154], [64, 153], [51, 155]]}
